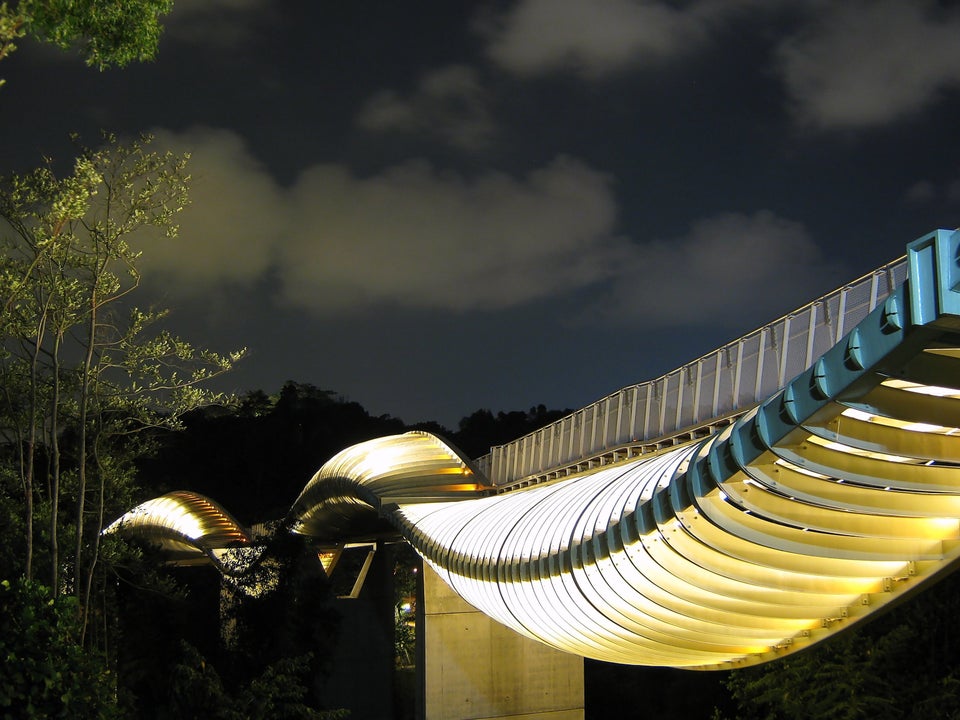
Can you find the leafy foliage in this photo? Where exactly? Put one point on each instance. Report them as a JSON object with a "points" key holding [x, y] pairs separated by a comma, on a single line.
{"points": [[44, 671], [256, 647], [83, 372], [107, 33], [482, 430], [278, 692]]}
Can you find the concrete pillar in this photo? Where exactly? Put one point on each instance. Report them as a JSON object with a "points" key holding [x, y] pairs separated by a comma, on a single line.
{"points": [[473, 668], [361, 675]]}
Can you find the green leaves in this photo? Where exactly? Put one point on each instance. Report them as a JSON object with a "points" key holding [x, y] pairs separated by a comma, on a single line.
{"points": [[107, 32], [198, 691], [11, 29], [82, 369], [44, 672]]}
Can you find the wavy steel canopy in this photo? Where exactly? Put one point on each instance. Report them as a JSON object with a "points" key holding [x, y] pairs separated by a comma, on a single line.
{"points": [[189, 528], [837, 496]]}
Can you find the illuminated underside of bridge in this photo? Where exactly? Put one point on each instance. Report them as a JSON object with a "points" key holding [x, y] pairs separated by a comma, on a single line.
{"points": [[836, 496]]}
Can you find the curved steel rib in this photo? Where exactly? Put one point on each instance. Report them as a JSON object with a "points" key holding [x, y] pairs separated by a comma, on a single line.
{"points": [[190, 528]]}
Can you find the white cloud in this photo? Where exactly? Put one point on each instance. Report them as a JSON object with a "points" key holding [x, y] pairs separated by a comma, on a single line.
{"points": [[229, 232], [843, 65], [871, 62], [417, 237], [593, 38], [728, 269], [410, 235], [602, 37], [217, 23], [449, 103]]}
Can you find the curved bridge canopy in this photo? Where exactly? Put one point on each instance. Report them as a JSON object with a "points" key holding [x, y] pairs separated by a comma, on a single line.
{"points": [[835, 497], [189, 528], [355, 492]]}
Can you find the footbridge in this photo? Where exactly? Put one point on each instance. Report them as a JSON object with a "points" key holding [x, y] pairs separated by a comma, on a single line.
{"points": [[757, 500]]}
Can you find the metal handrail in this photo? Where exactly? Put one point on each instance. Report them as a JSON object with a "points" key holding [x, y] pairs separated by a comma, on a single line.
{"points": [[728, 380]]}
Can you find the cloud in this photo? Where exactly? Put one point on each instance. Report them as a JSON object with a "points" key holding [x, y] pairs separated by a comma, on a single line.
{"points": [[449, 103], [594, 39], [843, 65], [729, 269], [862, 63], [229, 232], [922, 191], [603, 37], [217, 23], [926, 191], [416, 237], [411, 235]]}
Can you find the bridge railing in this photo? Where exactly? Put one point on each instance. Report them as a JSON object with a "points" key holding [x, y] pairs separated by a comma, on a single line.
{"points": [[727, 381]]}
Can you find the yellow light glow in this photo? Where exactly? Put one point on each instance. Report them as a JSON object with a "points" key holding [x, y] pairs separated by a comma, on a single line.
{"points": [[920, 389], [858, 414], [802, 470], [860, 452]]}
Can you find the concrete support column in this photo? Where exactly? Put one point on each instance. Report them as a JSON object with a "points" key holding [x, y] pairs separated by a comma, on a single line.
{"points": [[361, 676], [472, 668]]}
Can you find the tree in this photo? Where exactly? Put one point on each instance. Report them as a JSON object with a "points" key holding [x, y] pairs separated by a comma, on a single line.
{"points": [[277, 443], [107, 32], [905, 664], [482, 430], [44, 671], [84, 372], [278, 692], [277, 629]]}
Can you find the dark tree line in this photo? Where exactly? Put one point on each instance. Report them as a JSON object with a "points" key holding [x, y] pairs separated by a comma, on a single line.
{"points": [[256, 458], [479, 432]]}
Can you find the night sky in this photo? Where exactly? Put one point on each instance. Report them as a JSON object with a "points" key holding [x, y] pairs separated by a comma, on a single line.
{"points": [[435, 206]]}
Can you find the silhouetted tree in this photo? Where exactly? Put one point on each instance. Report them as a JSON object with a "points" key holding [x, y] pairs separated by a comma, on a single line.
{"points": [[255, 459], [482, 430]]}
